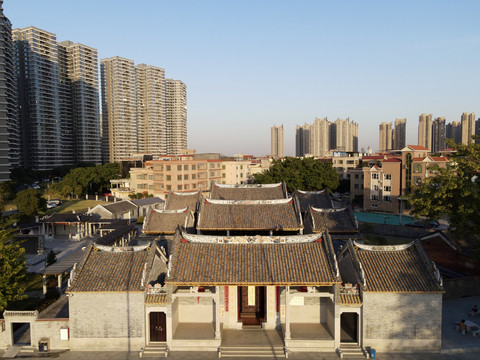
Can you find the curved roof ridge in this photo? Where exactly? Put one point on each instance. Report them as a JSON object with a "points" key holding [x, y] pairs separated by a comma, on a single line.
{"points": [[247, 202], [384, 248], [247, 186]]}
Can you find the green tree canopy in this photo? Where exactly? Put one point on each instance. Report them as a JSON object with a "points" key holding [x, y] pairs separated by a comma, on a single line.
{"points": [[87, 180], [30, 202], [454, 192], [12, 268], [6, 191], [304, 174]]}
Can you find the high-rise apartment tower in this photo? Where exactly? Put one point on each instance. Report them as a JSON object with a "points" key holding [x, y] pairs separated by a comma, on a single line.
{"points": [[176, 105], [399, 134], [9, 125], [425, 131], [438, 134], [277, 141], [385, 140], [468, 127]]}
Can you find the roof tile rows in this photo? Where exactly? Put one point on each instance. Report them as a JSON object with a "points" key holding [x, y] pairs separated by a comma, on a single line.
{"points": [[316, 199], [255, 216], [103, 271], [350, 300], [332, 220], [164, 222], [120, 207], [248, 192], [156, 299], [177, 201], [250, 264], [396, 271]]}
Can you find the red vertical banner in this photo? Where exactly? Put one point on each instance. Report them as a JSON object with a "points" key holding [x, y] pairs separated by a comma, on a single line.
{"points": [[225, 289], [277, 298]]}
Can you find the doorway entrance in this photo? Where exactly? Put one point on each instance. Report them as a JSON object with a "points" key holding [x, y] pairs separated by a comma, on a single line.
{"points": [[158, 326], [349, 327], [251, 304], [21, 334]]}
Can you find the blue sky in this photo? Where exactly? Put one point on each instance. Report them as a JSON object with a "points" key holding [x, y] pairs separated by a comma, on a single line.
{"points": [[249, 65]]}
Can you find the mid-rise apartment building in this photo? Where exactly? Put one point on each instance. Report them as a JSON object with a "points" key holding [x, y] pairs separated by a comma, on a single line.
{"points": [[235, 172], [9, 125], [276, 136], [58, 100], [180, 174]]}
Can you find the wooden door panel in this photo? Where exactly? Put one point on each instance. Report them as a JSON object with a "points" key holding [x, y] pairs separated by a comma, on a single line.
{"points": [[158, 326]]}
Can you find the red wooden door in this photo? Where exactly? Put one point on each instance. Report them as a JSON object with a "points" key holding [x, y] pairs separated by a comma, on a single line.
{"points": [[158, 326]]}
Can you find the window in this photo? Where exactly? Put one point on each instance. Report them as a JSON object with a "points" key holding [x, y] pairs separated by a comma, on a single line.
{"points": [[387, 188], [150, 187], [223, 167], [179, 187], [150, 177], [139, 176], [375, 187], [179, 177], [387, 176], [355, 186], [373, 197], [194, 186], [241, 167], [387, 198], [193, 167], [169, 178], [168, 167], [374, 176], [356, 176], [169, 187], [350, 162], [374, 205], [194, 176], [223, 182], [185, 177], [224, 175], [187, 187], [185, 167], [418, 168], [179, 167]]}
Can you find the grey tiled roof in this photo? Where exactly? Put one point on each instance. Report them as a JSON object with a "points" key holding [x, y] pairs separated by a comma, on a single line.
{"points": [[251, 264], [316, 199], [177, 201], [120, 207], [164, 222], [103, 271], [247, 192], [249, 216], [397, 271], [148, 201], [334, 220]]}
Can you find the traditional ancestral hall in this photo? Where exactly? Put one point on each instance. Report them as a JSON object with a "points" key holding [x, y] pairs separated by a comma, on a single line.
{"points": [[249, 257]]}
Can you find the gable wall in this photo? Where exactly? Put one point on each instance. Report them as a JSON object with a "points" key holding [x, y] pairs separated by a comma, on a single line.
{"points": [[107, 321], [402, 322]]}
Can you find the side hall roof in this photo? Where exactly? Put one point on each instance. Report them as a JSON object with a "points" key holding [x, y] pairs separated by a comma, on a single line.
{"points": [[334, 220], [106, 271], [204, 263], [248, 192], [283, 214], [165, 221], [316, 199], [178, 200], [396, 269]]}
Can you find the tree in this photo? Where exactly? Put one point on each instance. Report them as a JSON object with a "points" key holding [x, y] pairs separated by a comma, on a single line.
{"points": [[30, 202], [12, 268], [303, 174], [51, 258], [6, 191], [454, 192]]}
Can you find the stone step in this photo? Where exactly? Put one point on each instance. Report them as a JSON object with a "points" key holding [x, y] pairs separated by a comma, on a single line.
{"points": [[252, 351], [351, 351], [154, 351]]}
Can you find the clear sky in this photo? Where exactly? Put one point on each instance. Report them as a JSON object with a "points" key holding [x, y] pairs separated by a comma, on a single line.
{"points": [[249, 65]]}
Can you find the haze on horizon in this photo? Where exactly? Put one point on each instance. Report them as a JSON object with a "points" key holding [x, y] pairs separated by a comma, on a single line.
{"points": [[250, 65]]}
